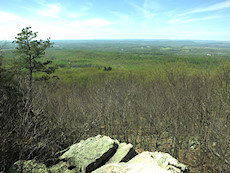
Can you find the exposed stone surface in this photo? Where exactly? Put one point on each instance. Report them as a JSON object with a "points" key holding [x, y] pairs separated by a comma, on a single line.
{"points": [[167, 162], [146, 162], [101, 154], [30, 166], [124, 153], [90, 154], [58, 168], [142, 163]]}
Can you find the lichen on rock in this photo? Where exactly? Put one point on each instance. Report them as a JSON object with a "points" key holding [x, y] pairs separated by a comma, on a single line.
{"points": [[101, 154], [30, 166], [87, 155]]}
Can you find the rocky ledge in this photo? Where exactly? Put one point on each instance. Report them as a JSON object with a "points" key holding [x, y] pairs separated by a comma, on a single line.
{"points": [[101, 154]]}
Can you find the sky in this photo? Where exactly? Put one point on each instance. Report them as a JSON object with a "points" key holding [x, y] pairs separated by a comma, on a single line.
{"points": [[117, 19]]}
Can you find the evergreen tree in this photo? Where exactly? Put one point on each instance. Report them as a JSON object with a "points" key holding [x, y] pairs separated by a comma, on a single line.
{"points": [[31, 51]]}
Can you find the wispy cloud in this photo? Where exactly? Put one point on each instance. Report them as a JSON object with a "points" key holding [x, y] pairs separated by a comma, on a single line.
{"points": [[90, 23], [52, 11], [214, 7], [174, 21], [187, 20], [152, 5], [87, 6], [11, 24], [122, 18], [76, 15], [10, 17], [148, 8], [82, 12]]}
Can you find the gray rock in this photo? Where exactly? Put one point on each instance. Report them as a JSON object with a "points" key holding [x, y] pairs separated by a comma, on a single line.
{"points": [[58, 168], [145, 162], [166, 161], [124, 153], [88, 155], [142, 163], [102, 154], [29, 166]]}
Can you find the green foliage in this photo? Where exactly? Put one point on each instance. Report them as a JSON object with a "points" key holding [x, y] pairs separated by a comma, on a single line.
{"points": [[31, 51], [138, 57], [7, 82], [155, 97], [223, 78]]}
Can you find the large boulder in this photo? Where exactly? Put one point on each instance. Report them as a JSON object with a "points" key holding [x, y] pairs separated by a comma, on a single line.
{"points": [[90, 154], [30, 166], [155, 162], [101, 154], [167, 162]]}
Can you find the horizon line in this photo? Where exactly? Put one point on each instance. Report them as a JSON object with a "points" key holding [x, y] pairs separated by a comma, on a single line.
{"points": [[129, 39]]}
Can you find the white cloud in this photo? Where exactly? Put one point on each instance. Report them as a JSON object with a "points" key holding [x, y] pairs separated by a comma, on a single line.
{"points": [[52, 11], [153, 5], [214, 7], [145, 10], [173, 21], [76, 15], [184, 20], [122, 19], [210, 18], [91, 23], [83, 11], [87, 6], [11, 25], [9, 17]]}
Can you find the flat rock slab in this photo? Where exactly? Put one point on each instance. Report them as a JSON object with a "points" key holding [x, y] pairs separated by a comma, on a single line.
{"points": [[124, 153], [143, 163], [88, 155]]}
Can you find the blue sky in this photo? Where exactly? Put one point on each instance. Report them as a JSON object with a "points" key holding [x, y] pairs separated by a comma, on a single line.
{"points": [[117, 19]]}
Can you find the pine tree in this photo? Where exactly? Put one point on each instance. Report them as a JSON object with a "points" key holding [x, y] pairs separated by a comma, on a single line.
{"points": [[31, 51]]}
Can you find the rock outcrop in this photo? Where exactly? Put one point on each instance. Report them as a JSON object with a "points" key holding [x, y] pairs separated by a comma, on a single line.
{"points": [[101, 154], [29, 166], [155, 162]]}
